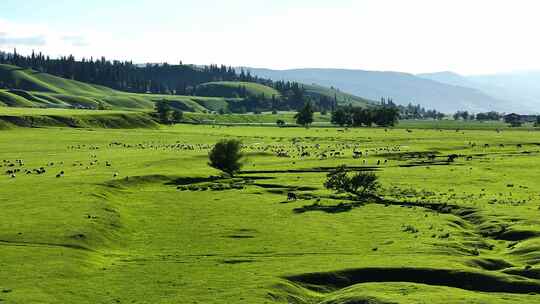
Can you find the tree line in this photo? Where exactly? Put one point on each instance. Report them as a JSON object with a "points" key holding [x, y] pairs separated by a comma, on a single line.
{"points": [[384, 115], [381, 115]]}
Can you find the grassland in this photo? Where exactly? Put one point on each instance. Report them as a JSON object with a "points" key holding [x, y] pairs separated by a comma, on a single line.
{"points": [[42, 90], [137, 218], [35, 89], [231, 88]]}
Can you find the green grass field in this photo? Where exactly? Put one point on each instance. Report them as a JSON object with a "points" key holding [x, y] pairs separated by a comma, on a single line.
{"points": [[229, 88], [136, 217]]}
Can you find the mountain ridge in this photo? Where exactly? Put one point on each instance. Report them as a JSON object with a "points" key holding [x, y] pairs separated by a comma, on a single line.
{"points": [[434, 92]]}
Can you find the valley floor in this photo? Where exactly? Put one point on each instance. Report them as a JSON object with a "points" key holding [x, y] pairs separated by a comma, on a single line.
{"points": [[133, 216]]}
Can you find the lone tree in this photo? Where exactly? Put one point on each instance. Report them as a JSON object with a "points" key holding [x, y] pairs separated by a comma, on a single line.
{"points": [[359, 184], [304, 117], [226, 156]]}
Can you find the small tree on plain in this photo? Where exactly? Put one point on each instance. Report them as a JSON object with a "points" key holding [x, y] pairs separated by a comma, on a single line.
{"points": [[304, 117], [280, 123], [226, 156], [359, 184]]}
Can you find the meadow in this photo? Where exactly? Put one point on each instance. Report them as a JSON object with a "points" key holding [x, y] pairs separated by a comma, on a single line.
{"points": [[92, 215]]}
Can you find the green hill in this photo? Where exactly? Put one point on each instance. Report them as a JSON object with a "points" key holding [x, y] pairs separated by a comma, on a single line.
{"points": [[318, 91], [42, 90], [33, 89], [30, 80], [234, 89]]}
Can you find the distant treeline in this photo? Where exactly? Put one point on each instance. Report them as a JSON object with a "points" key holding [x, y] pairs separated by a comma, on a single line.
{"points": [[163, 78], [386, 114], [465, 115], [412, 111]]}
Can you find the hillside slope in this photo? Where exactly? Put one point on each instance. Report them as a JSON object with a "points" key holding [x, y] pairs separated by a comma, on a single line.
{"points": [[402, 87], [30, 80], [42, 90], [235, 89], [30, 88], [316, 91]]}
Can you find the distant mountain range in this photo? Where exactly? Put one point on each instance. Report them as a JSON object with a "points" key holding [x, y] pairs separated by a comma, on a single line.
{"points": [[446, 91], [521, 90]]}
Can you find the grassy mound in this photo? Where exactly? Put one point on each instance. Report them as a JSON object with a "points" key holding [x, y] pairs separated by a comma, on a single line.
{"points": [[77, 119], [234, 88], [30, 80], [468, 280], [37, 89]]}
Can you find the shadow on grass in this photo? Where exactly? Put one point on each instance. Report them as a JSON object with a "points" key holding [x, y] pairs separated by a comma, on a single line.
{"points": [[468, 280]]}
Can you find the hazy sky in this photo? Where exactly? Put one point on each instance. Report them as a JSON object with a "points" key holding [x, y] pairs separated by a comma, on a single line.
{"points": [[466, 36]]}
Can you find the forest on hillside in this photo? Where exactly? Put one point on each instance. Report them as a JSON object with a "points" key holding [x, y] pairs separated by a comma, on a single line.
{"points": [[164, 78]]}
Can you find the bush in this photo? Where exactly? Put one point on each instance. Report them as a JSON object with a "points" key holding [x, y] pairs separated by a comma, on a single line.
{"points": [[177, 116], [226, 156], [359, 184]]}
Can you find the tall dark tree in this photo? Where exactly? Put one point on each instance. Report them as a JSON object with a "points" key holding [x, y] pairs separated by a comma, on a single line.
{"points": [[304, 116], [341, 117]]}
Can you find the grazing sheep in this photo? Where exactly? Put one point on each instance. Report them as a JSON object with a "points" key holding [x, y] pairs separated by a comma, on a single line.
{"points": [[291, 196]]}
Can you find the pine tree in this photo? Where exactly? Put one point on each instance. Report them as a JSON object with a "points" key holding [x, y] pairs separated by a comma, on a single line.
{"points": [[304, 117]]}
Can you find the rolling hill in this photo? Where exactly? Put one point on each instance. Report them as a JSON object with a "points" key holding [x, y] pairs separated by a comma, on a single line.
{"points": [[42, 90], [233, 89], [402, 87], [343, 98]]}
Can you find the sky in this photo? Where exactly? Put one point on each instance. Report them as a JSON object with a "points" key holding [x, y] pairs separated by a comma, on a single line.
{"points": [[415, 36]]}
